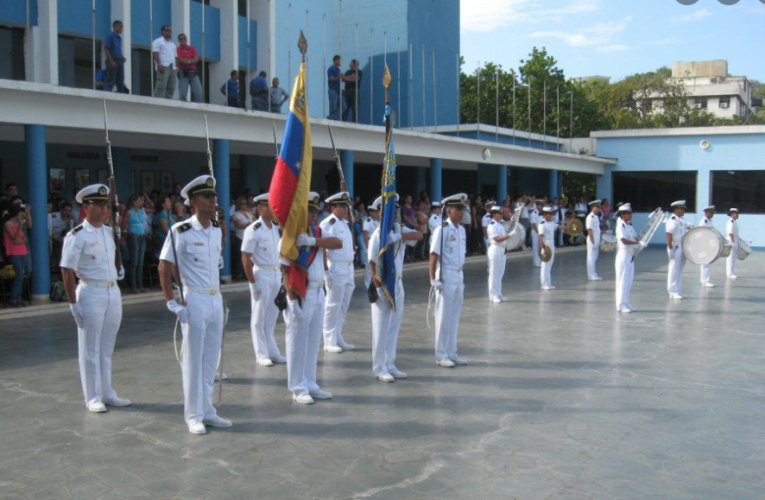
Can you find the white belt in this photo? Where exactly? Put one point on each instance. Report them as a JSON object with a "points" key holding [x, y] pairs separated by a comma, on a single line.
{"points": [[98, 283], [201, 291], [453, 268], [340, 262], [312, 285], [266, 268]]}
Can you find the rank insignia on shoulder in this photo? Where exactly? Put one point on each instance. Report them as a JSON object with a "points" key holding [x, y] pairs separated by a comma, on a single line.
{"points": [[183, 227], [673, 217], [492, 222], [445, 224], [77, 229], [215, 223], [256, 225], [332, 220]]}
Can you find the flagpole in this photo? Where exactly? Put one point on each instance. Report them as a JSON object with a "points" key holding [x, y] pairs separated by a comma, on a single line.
{"points": [[478, 96], [356, 83], [248, 101], [423, 88], [204, 52], [93, 39], [398, 77], [544, 116], [435, 94], [529, 112], [514, 129], [571, 126], [324, 66], [496, 106], [458, 96], [411, 88], [372, 77], [557, 92], [151, 48]]}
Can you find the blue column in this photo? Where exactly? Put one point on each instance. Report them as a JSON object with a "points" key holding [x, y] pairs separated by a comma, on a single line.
{"points": [[501, 183], [554, 184], [249, 170], [223, 187], [435, 179], [422, 181], [37, 181], [346, 157], [121, 159]]}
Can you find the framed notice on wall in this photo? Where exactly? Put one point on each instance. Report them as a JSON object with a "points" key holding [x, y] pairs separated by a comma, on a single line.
{"points": [[57, 181], [166, 182], [148, 181], [103, 176], [81, 178]]}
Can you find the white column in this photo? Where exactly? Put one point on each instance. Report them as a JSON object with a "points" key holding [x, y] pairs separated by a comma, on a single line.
{"points": [[121, 11], [41, 56], [264, 14], [229, 48], [181, 22]]}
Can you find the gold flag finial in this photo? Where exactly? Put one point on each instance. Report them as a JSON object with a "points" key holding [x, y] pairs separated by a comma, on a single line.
{"points": [[386, 77], [302, 43]]}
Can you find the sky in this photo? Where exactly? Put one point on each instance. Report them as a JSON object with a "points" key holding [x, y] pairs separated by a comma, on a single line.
{"points": [[615, 38]]}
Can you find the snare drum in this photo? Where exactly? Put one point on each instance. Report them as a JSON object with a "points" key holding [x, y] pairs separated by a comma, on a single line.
{"points": [[607, 242], [726, 250], [743, 250], [703, 245], [517, 238]]}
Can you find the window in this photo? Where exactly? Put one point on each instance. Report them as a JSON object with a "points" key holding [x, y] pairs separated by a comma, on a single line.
{"points": [[700, 103], [75, 62], [648, 190], [725, 102], [743, 189], [141, 67], [12, 53]]}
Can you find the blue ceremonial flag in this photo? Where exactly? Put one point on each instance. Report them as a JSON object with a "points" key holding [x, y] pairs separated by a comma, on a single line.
{"points": [[386, 266]]}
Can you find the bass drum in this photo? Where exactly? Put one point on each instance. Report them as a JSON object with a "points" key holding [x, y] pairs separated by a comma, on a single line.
{"points": [[743, 250], [607, 243], [517, 238], [703, 245]]}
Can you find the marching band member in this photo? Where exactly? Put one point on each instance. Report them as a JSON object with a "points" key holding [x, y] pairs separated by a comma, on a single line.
{"points": [[547, 237], [386, 322], [626, 239], [496, 254], [675, 229], [89, 253], [706, 269], [372, 223], [194, 247], [731, 232], [592, 224], [260, 260], [535, 219], [339, 277], [305, 319], [447, 256]]}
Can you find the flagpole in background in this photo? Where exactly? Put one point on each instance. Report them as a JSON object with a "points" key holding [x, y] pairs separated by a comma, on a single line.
{"points": [[514, 130], [324, 67], [435, 94], [411, 87], [544, 116], [423, 88], [478, 95], [529, 112], [372, 76], [557, 92], [247, 99], [398, 77], [496, 106], [356, 94], [204, 52], [571, 126], [93, 39], [459, 107], [151, 55]]}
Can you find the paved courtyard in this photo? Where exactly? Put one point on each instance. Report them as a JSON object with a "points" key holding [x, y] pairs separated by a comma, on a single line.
{"points": [[563, 398]]}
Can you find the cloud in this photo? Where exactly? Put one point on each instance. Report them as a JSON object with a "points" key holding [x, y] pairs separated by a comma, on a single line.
{"points": [[613, 48], [600, 36], [693, 17], [490, 15], [664, 41]]}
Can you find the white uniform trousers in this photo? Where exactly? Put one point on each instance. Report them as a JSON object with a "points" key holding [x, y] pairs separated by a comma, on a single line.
{"points": [[730, 265], [367, 275], [625, 273], [675, 272], [265, 313], [497, 263], [101, 318], [544, 272], [304, 341], [535, 248], [386, 324], [201, 350], [706, 273], [593, 251], [339, 295], [448, 309]]}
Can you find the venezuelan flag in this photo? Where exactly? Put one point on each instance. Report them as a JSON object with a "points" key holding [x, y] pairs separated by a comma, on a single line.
{"points": [[291, 181]]}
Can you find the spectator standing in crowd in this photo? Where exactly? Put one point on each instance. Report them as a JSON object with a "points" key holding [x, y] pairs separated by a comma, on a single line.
{"points": [[115, 60], [61, 223], [16, 250], [259, 92], [278, 96], [135, 218], [164, 52], [352, 87], [241, 218], [336, 101], [422, 227], [230, 89], [409, 218], [179, 211], [186, 60], [162, 222]]}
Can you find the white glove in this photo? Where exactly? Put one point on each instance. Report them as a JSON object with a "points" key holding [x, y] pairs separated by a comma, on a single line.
{"points": [[303, 240], [255, 288], [643, 244], [671, 253], [179, 310], [543, 253], [220, 262], [121, 274], [77, 313], [394, 237], [297, 311], [437, 285], [226, 310], [328, 279]]}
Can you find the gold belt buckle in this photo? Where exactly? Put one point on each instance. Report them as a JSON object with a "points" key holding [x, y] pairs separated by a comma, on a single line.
{"points": [[213, 291], [110, 284]]}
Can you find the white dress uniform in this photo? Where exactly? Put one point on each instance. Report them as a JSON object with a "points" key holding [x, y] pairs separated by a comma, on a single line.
{"points": [[198, 251], [731, 227], [262, 242], [706, 269], [90, 251], [535, 218], [497, 260], [449, 300], [370, 225], [677, 227], [386, 322], [339, 279], [560, 219], [433, 222], [485, 221], [624, 265], [593, 248], [547, 232]]}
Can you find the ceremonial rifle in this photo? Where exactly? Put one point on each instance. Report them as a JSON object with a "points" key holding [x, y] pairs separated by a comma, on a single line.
{"points": [[343, 185], [113, 200]]}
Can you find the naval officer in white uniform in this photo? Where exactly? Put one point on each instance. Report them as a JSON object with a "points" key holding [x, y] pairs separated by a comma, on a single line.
{"points": [[370, 224], [535, 219], [89, 254], [592, 225], [626, 242], [675, 229], [496, 254], [339, 276], [194, 246], [731, 232], [260, 261], [706, 269], [447, 256], [547, 230], [386, 322]]}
